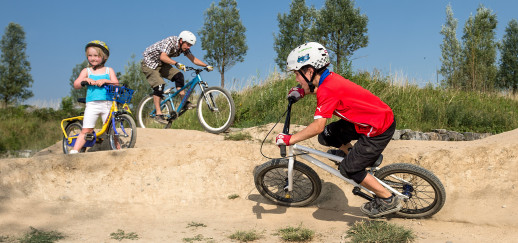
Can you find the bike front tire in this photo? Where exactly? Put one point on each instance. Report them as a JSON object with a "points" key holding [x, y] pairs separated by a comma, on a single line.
{"points": [[425, 191], [271, 180], [72, 129], [126, 132], [146, 114], [216, 110]]}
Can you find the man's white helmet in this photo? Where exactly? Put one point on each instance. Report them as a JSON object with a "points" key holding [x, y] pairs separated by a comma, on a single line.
{"points": [[188, 37], [311, 53]]}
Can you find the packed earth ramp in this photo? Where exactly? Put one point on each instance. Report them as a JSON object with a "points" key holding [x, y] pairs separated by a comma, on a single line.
{"points": [[173, 178]]}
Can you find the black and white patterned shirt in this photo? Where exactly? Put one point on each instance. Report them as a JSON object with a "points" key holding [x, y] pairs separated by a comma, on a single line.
{"points": [[168, 45]]}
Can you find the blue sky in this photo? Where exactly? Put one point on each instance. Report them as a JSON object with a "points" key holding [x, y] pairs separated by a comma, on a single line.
{"points": [[404, 36]]}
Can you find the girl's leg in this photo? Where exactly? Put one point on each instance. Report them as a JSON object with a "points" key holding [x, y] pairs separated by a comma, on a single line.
{"points": [[80, 141]]}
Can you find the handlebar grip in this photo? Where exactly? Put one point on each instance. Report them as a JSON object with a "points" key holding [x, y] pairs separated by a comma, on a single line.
{"points": [[283, 151], [84, 83]]}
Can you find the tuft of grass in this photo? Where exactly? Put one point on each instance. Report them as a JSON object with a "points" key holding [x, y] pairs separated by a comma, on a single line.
{"points": [[121, 235], [233, 196], [196, 224], [379, 231], [245, 236], [198, 237], [239, 136], [298, 234], [39, 236]]}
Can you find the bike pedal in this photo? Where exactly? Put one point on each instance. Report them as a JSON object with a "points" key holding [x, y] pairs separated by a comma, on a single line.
{"points": [[89, 137]]}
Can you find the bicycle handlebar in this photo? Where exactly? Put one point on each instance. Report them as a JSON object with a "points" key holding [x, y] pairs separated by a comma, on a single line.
{"points": [[286, 129], [85, 83], [196, 70]]}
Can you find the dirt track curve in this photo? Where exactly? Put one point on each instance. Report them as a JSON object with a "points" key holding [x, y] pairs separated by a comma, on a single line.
{"points": [[176, 177]]}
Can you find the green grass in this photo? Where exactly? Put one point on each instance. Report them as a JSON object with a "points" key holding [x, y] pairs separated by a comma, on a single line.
{"points": [[298, 234], [40, 236], [419, 109], [239, 136], [379, 231], [121, 235], [245, 236]]}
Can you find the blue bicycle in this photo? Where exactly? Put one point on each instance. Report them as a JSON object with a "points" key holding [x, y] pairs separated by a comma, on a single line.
{"points": [[215, 107]]}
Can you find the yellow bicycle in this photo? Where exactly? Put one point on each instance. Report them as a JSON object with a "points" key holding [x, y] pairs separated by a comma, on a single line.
{"points": [[120, 126]]}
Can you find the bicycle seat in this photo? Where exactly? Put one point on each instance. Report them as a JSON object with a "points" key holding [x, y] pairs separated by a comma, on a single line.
{"points": [[378, 161], [81, 100]]}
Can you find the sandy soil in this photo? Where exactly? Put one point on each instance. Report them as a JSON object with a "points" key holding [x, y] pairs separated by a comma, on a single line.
{"points": [[176, 177]]}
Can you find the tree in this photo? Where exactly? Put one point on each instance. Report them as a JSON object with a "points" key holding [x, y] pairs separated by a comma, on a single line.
{"points": [[342, 30], [223, 36], [15, 77], [134, 79], [479, 50], [77, 93], [508, 73], [451, 52], [295, 28]]}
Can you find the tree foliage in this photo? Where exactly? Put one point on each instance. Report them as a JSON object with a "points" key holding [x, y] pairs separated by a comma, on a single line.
{"points": [[508, 73], [15, 77], [223, 36], [133, 78], [479, 50], [295, 28], [451, 52], [77, 93], [342, 29]]}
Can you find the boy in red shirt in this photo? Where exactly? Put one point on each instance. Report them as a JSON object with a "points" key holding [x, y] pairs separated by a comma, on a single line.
{"points": [[364, 117]]}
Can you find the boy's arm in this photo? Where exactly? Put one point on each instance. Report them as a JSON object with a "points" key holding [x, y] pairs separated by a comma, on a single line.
{"points": [[313, 129]]}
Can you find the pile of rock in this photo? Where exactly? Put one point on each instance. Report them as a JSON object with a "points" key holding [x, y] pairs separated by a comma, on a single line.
{"points": [[438, 135]]}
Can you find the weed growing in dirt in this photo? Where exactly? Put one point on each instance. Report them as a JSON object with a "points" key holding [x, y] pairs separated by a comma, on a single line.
{"points": [[298, 234], [121, 235], [245, 236], [196, 225], [39, 236], [198, 237], [240, 136], [233, 196], [379, 231]]}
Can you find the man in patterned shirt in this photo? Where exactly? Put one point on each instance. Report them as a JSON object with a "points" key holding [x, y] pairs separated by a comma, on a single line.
{"points": [[157, 64]]}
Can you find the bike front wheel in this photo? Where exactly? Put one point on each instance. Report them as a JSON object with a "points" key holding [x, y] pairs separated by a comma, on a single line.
{"points": [[126, 134], [72, 130], [425, 191], [271, 180], [216, 110], [146, 112]]}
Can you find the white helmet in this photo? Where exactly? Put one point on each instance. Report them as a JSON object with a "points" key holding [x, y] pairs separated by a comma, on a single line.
{"points": [[188, 37], [311, 53]]}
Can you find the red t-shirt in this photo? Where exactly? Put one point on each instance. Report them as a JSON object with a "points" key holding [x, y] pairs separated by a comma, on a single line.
{"points": [[351, 102]]}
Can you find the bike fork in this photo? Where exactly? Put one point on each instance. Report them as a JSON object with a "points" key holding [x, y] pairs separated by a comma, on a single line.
{"points": [[291, 163]]}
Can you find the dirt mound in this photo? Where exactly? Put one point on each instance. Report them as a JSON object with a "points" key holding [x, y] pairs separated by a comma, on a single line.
{"points": [[175, 177]]}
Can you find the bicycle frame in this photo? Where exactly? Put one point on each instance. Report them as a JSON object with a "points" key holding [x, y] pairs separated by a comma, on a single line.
{"points": [[303, 152], [110, 120], [189, 87]]}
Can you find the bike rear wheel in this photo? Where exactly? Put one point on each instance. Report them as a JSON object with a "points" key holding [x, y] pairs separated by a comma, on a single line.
{"points": [[126, 136], [271, 180], [216, 110], [72, 129], [146, 112], [426, 192]]}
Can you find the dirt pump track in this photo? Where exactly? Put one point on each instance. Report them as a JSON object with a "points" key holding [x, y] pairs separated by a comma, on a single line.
{"points": [[175, 177]]}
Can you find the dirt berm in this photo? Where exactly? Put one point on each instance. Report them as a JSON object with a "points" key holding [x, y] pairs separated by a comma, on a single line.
{"points": [[175, 179]]}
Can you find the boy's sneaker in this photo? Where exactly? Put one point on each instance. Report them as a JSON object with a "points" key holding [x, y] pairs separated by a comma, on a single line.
{"points": [[161, 119], [73, 152], [379, 207], [189, 105]]}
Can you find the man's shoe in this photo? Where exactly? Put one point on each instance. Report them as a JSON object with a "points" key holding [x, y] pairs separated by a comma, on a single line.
{"points": [[161, 119], [379, 207]]}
